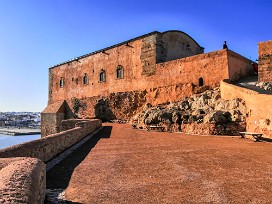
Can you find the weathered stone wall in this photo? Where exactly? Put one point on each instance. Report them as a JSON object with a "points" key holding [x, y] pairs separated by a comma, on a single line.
{"points": [[265, 61], [175, 45], [213, 129], [52, 116], [124, 105], [48, 147], [70, 124], [148, 75], [22, 180], [50, 123], [138, 59], [212, 67], [172, 81], [259, 107], [239, 66]]}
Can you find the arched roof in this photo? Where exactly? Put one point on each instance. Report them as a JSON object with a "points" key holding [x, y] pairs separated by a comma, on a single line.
{"points": [[178, 31]]}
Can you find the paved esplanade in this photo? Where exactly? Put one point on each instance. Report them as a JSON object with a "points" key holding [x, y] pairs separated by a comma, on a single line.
{"points": [[124, 165]]}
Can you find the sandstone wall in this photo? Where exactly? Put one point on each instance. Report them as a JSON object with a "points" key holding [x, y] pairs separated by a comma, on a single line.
{"points": [[265, 61], [175, 45], [239, 66], [52, 116], [48, 147], [172, 81], [124, 105], [211, 66], [70, 124], [50, 123], [259, 107], [138, 58], [213, 129], [22, 180]]}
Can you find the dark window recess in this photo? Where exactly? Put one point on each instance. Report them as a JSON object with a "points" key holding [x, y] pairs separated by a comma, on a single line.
{"points": [[85, 79], [76, 80], [200, 81], [102, 76], [61, 83], [119, 72]]}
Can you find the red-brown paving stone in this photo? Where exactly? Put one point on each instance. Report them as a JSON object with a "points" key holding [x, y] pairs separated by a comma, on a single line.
{"points": [[136, 166]]}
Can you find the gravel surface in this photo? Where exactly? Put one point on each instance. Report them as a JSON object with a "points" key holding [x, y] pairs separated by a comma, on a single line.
{"points": [[251, 82], [125, 165]]}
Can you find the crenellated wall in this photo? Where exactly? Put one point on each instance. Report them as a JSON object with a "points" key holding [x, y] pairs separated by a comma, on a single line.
{"points": [[259, 107]]}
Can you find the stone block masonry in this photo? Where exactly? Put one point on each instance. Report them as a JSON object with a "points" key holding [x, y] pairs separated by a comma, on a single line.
{"points": [[22, 168], [259, 114], [172, 81], [265, 61], [22, 180], [48, 147], [155, 68]]}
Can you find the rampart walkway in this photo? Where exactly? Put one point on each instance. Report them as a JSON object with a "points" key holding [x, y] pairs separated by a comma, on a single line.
{"points": [[124, 165]]}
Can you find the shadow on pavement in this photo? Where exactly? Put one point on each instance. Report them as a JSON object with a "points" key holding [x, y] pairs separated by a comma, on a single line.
{"points": [[266, 139], [59, 176]]}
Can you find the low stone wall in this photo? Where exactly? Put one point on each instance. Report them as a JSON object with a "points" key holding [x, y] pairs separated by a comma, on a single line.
{"points": [[70, 123], [259, 107], [214, 129], [50, 146], [22, 180]]}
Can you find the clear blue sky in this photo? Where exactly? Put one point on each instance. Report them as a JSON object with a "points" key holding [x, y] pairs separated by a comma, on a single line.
{"points": [[36, 34]]}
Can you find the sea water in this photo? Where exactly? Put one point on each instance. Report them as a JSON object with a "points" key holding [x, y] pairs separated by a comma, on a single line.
{"points": [[8, 140]]}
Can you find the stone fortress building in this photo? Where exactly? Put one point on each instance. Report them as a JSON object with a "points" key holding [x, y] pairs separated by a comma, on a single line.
{"points": [[116, 82]]}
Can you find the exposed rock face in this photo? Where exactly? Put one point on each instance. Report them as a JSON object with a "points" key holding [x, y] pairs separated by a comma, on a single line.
{"points": [[201, 111], [122, 106]]}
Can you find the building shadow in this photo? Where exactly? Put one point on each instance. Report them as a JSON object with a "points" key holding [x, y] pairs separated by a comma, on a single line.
{"points": [[59, 176], [265, 139]]}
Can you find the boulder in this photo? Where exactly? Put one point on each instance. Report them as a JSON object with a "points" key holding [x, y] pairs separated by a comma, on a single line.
{"points": [[236, 116], [184, 105], [200, 102], [215, 117]]}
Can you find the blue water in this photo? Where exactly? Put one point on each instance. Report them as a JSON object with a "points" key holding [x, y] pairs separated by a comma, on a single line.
{"points": [[8, 140]]}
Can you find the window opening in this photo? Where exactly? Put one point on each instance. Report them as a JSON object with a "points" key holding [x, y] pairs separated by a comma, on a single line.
{"points": [[61, 82], [85, 79], [200, 81], [119, 72], [102, 76]]}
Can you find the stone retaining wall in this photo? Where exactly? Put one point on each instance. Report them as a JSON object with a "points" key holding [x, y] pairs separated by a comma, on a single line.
{"points": [[259, 116], [22, 179], [214, 129], [48, 147]]}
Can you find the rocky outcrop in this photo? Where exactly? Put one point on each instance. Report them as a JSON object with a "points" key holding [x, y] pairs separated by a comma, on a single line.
{"points": [[265, 85], [200, 113]]}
